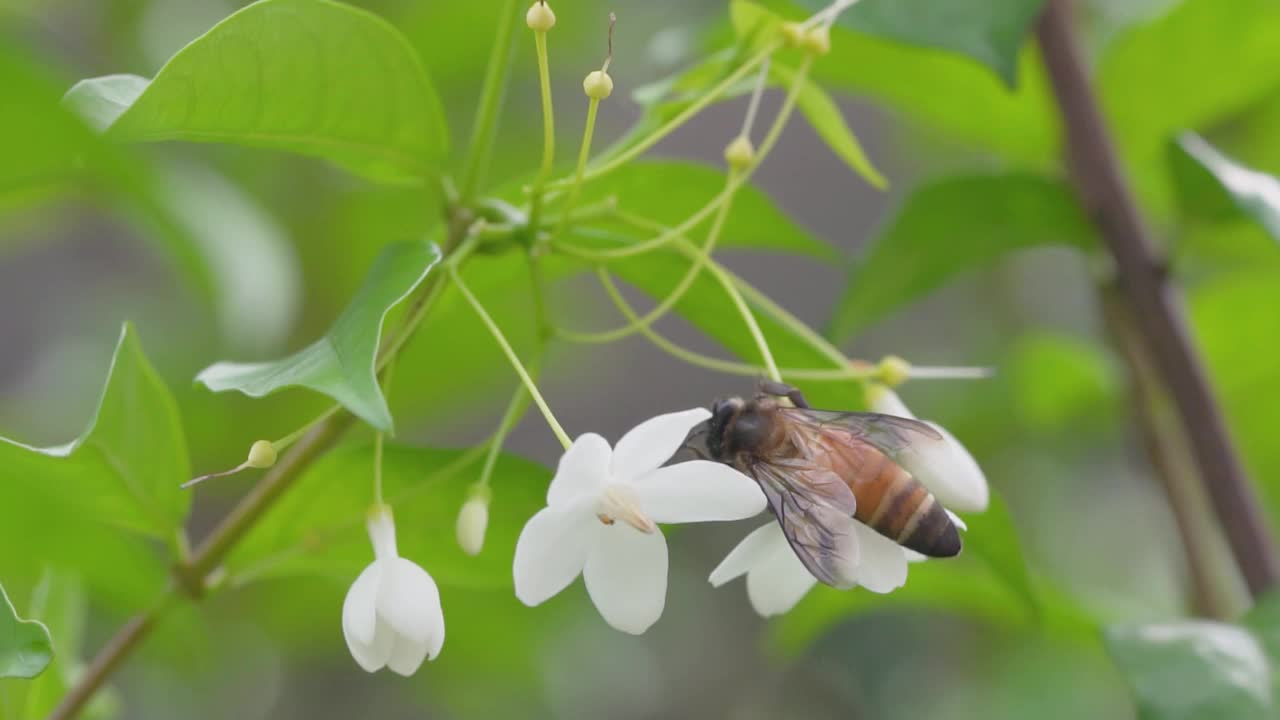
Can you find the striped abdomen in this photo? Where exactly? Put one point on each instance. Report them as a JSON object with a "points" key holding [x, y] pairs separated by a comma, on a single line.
{"points": [[893, 503]]}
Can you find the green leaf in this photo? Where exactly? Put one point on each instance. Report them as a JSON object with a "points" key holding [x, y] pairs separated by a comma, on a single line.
{"points": [[1059, 381], [991, 32], [25, 646], [1264, 620], [1256, 194], [341, 364], [827, 120], [951, 226], [127, 467], [306, 76], [671, 191], [993, 537], [319, 527], [1193, 669]]}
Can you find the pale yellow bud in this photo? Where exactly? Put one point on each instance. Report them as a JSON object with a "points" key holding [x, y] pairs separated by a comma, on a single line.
{"points": [[793, 34], [740, 153], [261, 455], [598, 85], [540, 18], [473, 520], [894, 370], [817, 40]]}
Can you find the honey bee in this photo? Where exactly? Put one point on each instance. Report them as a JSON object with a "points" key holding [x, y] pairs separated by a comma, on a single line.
{"points": [[819, 468]]}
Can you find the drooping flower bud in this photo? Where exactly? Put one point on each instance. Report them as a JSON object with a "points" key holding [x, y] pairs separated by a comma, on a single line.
{"points": [[473, 520], [598, 85], [262, 454], [740, 153], [540, 18]]}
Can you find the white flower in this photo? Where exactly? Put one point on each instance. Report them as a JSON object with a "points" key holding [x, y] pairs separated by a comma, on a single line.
{"points": [[776, 579], [601, 518], [392, 616], [946, 469]]}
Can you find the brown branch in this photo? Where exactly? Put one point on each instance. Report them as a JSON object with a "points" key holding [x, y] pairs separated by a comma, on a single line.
{"points": [[106, 662], [1156, 306]]}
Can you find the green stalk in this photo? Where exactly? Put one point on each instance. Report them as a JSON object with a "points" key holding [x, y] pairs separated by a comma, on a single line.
{"points": [[486, 122]]}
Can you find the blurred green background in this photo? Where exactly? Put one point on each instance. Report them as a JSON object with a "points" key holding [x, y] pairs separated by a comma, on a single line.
{"points": [[225, 252]]}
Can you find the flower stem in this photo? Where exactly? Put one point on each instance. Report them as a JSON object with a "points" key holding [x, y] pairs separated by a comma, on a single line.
{"points": [[583, 153], [548, 131], [516, 365], [515, 409], [486, 122]]}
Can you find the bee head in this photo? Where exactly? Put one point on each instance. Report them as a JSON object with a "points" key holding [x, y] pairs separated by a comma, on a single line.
{"points": [[723, 414]]}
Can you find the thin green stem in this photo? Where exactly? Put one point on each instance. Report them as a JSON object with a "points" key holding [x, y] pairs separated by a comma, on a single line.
{"points": [[380, 437], [419, 311], [735, 182], [515, 410], [514, 359], [293, 437], [699, 261], [548, 131], [671, 125], [486, 122], [583, 153]]}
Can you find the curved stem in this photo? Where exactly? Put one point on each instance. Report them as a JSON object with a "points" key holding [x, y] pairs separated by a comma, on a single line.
{"points": [[515, 409], [516, 365], [486, 122], [700, 261]]}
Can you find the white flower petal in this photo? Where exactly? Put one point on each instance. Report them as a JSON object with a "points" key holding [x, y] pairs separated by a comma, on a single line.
{"points": [[913, 556], [407, 655], [552, 550], [882, 566], [779, 580], [698, 491], [359, 612], [653, 442], [882, 399], [626, 577], [955, 519], [583, 469], [747, 554], [947, 470], [409, 601], [373, 657]]}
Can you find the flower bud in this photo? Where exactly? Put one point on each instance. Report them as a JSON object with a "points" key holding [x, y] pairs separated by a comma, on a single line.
{"points": [[793, 34], [540, 18], [739, 153], [598, 85], [261, 455], [894, 370], [473, 520], [817, 40]]}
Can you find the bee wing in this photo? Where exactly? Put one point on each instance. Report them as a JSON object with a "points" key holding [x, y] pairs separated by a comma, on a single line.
{"points": [[889, 434], [815, 508]]}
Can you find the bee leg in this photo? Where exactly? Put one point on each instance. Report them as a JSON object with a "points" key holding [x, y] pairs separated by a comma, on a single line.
{"points": [[790, 392]]}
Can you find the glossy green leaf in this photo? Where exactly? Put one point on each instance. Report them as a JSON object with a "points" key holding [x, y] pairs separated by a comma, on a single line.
{"points": [[827, 120], [1255, 194], [950, 226], [1264, 620], [319, 527], [671, 191], [341, 364], [991, 535], [25, 646], [126, 468], [991, 32], [1191, 669], [307, 76]]}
